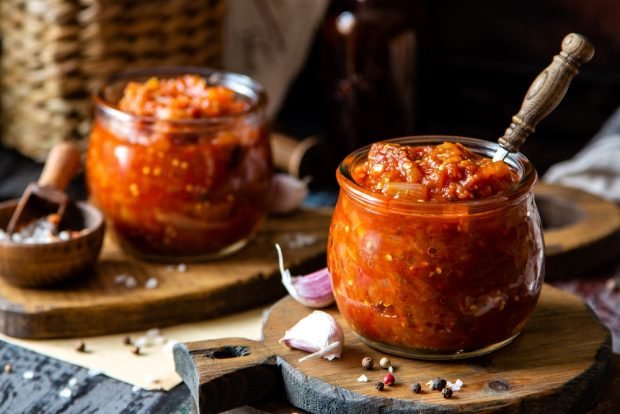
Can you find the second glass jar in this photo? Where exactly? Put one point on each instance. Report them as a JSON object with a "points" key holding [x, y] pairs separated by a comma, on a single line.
{"points": [[180, 190]]}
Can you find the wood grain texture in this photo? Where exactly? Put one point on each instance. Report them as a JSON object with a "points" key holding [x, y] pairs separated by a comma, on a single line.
{"points": [[582, 231], [94, 304], [559, 364]]}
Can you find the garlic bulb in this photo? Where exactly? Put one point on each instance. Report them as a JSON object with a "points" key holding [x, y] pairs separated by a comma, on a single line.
{"points": [[313, 290], [287, 193], [318, 333]]}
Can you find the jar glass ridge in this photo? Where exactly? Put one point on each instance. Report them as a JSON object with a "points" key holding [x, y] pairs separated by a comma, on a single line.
{"points": [[180, 190], [436, 280]]}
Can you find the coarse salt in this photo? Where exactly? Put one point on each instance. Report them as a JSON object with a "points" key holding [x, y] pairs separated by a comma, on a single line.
{"points": [[93, 372], [362, 378], [65, 393], [181, 267], [151, 283], [131, 282], [135, 389], [28, 375], [72, 382]]}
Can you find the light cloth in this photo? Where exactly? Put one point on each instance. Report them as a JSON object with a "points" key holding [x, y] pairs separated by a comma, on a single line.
{"points": [[596, 168]]}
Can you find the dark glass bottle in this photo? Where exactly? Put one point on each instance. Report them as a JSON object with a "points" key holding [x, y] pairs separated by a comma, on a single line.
{"points": [[369, 65]]}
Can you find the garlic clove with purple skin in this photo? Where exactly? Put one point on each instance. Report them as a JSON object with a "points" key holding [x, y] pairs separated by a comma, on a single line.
{"points": [[287, 193], [313, 290], [318, 333]]}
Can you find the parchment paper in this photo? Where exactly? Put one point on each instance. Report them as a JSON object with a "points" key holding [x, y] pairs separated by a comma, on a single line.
{"points": [[154, 367]]}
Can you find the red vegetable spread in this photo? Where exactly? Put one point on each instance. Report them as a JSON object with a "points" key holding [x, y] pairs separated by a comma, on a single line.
{"points": [[185, 97], [445, 172], [176, 189], [434, 278]]}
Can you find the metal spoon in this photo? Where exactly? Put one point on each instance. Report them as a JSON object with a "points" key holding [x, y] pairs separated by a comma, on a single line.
{"points": [[545, 93]]}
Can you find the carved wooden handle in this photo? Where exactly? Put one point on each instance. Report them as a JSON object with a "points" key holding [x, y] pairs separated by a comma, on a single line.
{"points": [[547, 90], [62, 163]]}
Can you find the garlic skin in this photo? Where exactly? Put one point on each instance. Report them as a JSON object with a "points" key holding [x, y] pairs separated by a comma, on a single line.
{"points": [[313, 290], [318, 333], [287, 193]]}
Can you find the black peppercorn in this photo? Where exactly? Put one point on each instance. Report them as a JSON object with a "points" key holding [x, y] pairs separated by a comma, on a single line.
{"points": [[438, 384], [416, 388], [447, 393], [80, 346], [367, 363], [127, 340], [136, 350], [379, 386]]}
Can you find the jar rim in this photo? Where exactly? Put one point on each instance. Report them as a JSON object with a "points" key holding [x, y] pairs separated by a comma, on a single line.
{"points": [[239, 83], [517, 161]]}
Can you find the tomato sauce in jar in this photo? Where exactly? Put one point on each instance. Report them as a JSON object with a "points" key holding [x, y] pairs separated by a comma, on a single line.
{"points": [[435, 251], [180, 163]]}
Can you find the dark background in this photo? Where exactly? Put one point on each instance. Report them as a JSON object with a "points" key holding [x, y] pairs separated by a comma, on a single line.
{"points": [[476, 60]]}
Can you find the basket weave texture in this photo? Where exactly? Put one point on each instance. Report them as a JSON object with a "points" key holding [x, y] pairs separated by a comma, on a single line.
{"points": [[56, 52]]}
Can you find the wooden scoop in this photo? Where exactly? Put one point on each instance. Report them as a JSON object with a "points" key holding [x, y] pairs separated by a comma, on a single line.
{"points": [[545, 93], [47, 196]]}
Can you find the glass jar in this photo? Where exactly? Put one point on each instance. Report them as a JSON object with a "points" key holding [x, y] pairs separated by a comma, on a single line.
{"points": [[436, 280], [180, 190]]}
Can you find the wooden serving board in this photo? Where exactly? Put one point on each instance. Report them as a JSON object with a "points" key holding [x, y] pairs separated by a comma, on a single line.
{"points": [[582, 230], [97, 304], [560, 363]]}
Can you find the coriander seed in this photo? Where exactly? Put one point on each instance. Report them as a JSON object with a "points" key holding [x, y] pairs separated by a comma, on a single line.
{"points": [[367, 363], [8, 368], [385, 363]]}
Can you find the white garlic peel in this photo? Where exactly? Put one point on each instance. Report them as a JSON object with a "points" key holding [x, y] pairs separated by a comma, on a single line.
{"points": [[313, 290], [287, 193], [318, 333]]}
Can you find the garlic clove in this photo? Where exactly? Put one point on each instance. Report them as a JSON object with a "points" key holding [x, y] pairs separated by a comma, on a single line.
{"points": [[318, 333], [287, 193], [313, 290]]}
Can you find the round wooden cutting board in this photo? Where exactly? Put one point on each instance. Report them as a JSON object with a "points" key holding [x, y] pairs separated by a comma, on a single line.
{"points": [[582, 230], [560, 363]]}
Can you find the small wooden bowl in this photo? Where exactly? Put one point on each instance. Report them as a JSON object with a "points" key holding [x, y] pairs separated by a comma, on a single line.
{"points": [[48, 264]]}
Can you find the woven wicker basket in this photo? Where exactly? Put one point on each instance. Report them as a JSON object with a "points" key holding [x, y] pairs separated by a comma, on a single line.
{"points": [[55, 52]]}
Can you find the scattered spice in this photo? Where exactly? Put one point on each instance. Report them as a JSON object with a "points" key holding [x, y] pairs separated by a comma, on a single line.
{"points": [[379, 386], [437, 384], [136, 350], [416, 388], [385, 363], [8, 368], [362, 378], [391, 369], [28, 375], [127, 340], [72, 382], [389, 379], [456, 386], [447, 393], [367, 363], [80, 346], [151, 283], [65, 393]]}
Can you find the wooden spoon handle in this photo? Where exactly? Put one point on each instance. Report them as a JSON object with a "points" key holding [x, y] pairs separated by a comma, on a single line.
{"points": [[62, 163], [547, 90]]}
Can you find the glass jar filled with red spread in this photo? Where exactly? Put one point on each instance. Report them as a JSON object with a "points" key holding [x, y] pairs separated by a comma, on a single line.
{"points": [[436, 251], [179, 161]]}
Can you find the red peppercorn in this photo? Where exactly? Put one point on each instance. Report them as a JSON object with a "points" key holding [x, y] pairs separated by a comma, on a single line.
{"points": [[389, 379]]}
